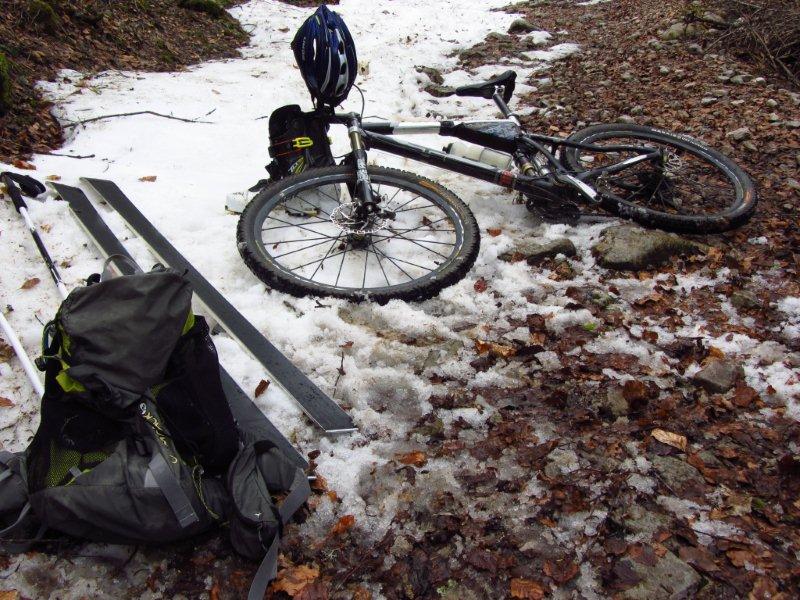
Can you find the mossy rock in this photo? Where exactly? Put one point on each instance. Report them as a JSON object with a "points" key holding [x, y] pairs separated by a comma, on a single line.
{"points": [[42, 15], [215, 8], [5, 84]]}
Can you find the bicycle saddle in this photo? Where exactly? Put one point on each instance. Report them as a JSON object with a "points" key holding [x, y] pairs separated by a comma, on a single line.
{"points": [[486, 89]]}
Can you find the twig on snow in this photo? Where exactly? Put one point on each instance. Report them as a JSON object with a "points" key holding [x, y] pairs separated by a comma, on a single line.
{"points": [[78, 156], [132, 114]]}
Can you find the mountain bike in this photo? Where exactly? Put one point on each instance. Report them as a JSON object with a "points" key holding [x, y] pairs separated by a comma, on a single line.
{"points": [[362, 232]]}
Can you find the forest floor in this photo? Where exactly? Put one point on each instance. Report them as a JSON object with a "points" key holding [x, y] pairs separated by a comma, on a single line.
{"points": [[552, 427], [40, 38]]}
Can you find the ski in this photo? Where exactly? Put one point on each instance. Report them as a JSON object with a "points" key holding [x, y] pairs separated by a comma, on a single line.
{"points": [[247, 414], [319, 407]]}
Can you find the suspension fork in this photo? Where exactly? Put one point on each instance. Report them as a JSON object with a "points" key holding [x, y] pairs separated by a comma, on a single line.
{"points": [[363, 185]]}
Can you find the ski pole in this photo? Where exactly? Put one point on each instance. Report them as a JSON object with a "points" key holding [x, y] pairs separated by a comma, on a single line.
{"points": [[30, 370], [32, 187]]}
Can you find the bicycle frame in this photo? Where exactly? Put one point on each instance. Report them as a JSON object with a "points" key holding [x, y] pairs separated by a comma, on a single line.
{"points": [[505, 135]]}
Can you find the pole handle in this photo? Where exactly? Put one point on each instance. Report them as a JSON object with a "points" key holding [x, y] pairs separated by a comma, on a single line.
{"points": [[15, 181], [13, 191]]}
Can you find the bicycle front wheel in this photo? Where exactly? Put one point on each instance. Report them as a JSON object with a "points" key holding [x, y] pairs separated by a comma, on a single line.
{"points": [[694, 189], [302, 235]]}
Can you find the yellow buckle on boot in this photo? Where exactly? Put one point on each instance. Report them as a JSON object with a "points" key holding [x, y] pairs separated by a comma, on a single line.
{"points": [[302, 142]]}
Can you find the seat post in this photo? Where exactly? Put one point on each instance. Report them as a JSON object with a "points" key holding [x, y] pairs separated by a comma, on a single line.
{"points": [[501, 104]]}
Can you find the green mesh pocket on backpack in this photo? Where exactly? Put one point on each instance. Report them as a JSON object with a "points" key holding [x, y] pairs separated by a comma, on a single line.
{"points": [[64, 462]]}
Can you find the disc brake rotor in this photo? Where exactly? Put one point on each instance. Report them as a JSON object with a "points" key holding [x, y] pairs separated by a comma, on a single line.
{"points": [[344, 217]]}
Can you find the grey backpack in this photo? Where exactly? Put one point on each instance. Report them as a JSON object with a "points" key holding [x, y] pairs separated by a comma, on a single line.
{"points": [[137, 442]]}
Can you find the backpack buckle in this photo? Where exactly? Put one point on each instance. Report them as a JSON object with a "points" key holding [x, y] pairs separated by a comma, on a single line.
{"points": [[302, 142]]}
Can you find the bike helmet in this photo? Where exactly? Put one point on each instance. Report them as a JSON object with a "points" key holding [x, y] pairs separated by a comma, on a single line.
{"points": [[326, 54]]}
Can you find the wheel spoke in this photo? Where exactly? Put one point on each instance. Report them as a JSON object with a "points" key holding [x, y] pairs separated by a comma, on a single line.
{"points": [[333, 245], [311, 204], [410, 278], [293, 224], [301, 249], [326, 257], [380, 264], [299, 226], [341, 264]]}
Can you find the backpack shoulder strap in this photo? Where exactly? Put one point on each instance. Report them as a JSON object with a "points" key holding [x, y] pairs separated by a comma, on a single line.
{"points": [[268, 569]]}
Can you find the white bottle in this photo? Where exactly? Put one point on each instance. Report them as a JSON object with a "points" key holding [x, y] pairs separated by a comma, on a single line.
{"points": [[497, 159]]}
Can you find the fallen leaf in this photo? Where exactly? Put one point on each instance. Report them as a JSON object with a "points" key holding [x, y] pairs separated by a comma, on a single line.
{"points": [[670, 439], [53, 178], [314, 591], [561, 571], [502, 350], [261, 387], [33, 282], [715, 353], [213, 593], [6, 351], [148, 178], [744, 396], [5, 402], [21, 164], [9, 595], [347, 344], [635, 390], [294, 579], [494, 231], [343, 524], [418, 459], [739, 558], [362, 594], [319, 484], [526, 589], [481, 285]]}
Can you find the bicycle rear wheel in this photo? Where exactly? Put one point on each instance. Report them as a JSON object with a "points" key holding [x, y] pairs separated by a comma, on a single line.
{"points": [[300, 235], [694, 190]]}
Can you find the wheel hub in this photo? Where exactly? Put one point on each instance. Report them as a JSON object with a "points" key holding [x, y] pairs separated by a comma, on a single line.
{"points": [[347, 218]]}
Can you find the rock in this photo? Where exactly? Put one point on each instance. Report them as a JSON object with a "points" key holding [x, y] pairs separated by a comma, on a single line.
{"points": [[639, 520], [669, 579], [793, 184], [675, 472], [695, 48], [664, 70], [772, 103], [737, 79], [438, 90], [613, 403], [714, 18], [521, 26], [744, 300], [759, 81], [792, 124], [536, 252], [637, 110], [708, 100], [774, 117], [718, 376], [626, 119], [435, 75], [631, 248], [679, 30], [750, 146], [740, 135]]}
